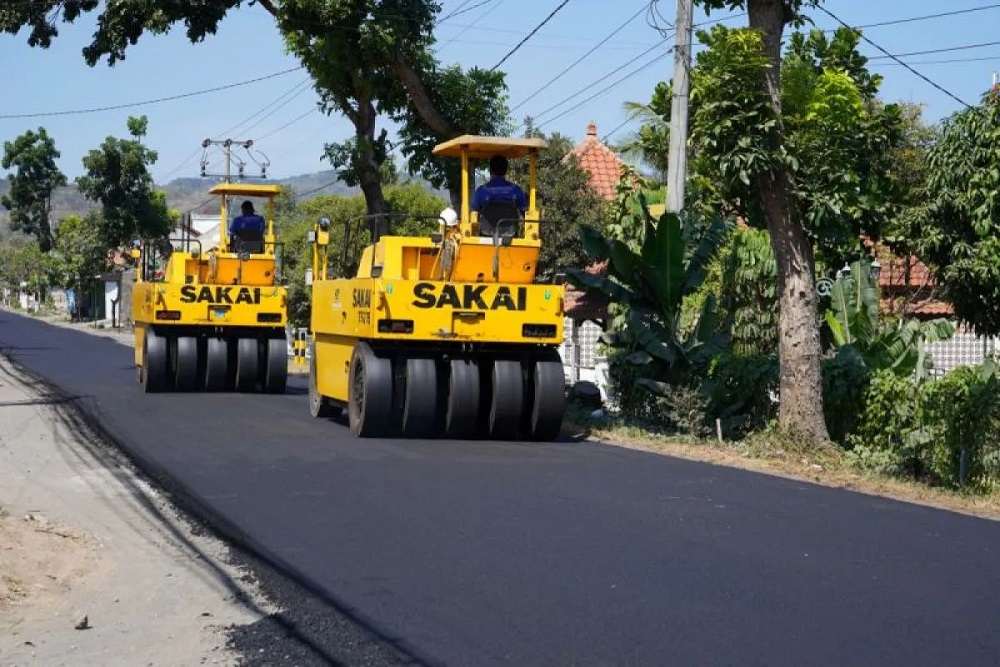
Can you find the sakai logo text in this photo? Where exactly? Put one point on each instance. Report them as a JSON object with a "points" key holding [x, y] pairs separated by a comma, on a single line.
{"points": [[361, 298], [206, 294], [469, 297]]}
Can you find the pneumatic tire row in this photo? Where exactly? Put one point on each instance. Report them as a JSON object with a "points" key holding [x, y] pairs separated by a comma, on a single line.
{"points": [[185, 363], [459, 397]]}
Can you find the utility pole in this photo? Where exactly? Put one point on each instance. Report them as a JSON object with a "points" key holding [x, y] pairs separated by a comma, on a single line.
{"points": [[227, 149], [677, 157]]}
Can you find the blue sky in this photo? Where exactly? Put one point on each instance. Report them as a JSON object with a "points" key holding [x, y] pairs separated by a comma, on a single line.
{"points": [[291, 133]]}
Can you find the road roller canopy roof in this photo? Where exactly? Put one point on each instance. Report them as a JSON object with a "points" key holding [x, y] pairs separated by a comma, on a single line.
{"points": [[246, 190], [476, 146]]}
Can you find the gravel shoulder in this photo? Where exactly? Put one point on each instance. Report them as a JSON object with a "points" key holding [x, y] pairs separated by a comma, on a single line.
{"points": [[96, 567]]}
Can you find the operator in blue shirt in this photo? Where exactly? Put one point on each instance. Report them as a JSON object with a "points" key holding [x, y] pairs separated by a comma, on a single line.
{"points": [[499, 187], [248, 220]]}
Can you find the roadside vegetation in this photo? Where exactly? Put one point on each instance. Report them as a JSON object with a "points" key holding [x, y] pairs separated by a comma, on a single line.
{"points": [[751, 328]]}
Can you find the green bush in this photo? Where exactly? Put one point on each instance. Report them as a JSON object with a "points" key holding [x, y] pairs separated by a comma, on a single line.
{"points": [[635, 402], [888, 439], [964, 408], [740, 388], [845, 381], [945, 431]]}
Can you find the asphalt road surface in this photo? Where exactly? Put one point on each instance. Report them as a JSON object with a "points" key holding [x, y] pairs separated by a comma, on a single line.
{"points": [[486, 553]]}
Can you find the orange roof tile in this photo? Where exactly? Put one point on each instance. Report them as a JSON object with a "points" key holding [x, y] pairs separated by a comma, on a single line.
{"points": [[600, 162]]}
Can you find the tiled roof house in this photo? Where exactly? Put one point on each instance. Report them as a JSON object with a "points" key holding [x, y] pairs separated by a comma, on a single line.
{"points": [[604, 168], [907, 285], [603, 165]]}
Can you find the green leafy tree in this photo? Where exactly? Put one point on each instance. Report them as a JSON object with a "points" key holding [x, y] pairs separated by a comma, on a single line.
{"points": [[29, 198], [567, 201], [81, 249], [24, 263], [959, 230], [786, 139], [117, 176], [910, 171]]}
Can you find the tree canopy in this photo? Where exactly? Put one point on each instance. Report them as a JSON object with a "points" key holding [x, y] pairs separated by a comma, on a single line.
{"points": [[34, 156], [118, 177], [80, 250], [958, 232]]}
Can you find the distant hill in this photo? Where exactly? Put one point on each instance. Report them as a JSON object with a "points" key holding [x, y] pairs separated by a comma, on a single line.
{"points": [[189, 194]]}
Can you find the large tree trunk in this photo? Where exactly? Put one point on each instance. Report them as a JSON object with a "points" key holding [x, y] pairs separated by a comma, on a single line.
{"points": [[369, 169], [799, 349]]}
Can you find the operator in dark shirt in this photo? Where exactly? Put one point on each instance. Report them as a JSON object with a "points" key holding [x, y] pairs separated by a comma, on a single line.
{"points": [[248, 220], [498, 187]]}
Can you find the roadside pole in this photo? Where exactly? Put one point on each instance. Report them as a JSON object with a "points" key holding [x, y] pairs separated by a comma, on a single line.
{"points": [[677, 158]]}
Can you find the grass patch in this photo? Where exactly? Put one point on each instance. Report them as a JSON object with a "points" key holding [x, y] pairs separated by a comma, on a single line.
{"points": [[774, 453]]}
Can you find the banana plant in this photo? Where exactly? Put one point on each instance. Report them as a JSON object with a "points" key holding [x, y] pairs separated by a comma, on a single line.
{"points": [[853, 321], [651, 284]]}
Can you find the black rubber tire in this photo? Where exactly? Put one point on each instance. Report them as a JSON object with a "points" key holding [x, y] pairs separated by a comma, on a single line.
{"points": [[461, 419], [246, 364], [320, 407], [420, 398], [154, 362], [506, 400], [369, 398], [184, 360], [274, 376], [545, 403], [216, 364]]}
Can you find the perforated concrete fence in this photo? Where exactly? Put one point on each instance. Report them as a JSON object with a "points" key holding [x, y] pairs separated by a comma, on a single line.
{"points": [[580, 353], [962, 349]]}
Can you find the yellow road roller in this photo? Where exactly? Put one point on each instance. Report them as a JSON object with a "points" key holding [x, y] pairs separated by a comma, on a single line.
{"points": [[213, 319], [444, 335]]}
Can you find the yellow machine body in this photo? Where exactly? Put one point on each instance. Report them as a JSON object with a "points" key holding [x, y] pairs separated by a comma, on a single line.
{"points": [[419, 304], [205, 304]]}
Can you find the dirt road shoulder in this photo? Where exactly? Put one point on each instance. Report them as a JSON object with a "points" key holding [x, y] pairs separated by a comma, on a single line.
{"points": [[95, 565]]}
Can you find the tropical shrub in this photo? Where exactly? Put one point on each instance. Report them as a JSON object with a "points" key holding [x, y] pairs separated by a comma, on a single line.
{"points": [[649, 285]]}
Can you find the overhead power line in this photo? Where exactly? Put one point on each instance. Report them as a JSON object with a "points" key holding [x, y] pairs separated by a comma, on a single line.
{"points": [[530, 34], [578, 60], [459, 11], [291, 122], [946, 49], [601, 79], [275, 101], [895, 58], [600, 92], [926, 17], [944, 61], [73, 112]]}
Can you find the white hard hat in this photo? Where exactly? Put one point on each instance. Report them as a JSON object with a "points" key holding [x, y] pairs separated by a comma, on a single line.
{"points": [[449, 217]]}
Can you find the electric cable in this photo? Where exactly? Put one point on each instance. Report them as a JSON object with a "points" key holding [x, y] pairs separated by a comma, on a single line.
{"points": [[73, 112], [895, 58], [530, 35]]}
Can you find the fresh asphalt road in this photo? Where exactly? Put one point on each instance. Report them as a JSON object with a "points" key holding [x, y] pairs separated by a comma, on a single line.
{"points": [[483, 553]]}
